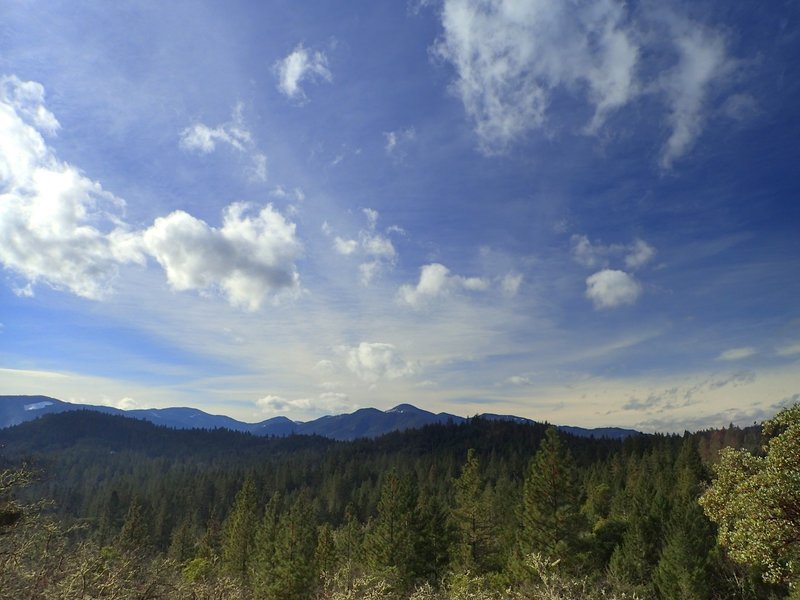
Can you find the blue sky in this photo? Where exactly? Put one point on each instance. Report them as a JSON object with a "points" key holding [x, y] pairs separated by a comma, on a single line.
{"points": [[580, 212]]}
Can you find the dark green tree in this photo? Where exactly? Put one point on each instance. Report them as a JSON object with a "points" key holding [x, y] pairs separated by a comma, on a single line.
{"points": [[476, 546], [552, 523], [295, 572], [389, 541], [238, 535]]}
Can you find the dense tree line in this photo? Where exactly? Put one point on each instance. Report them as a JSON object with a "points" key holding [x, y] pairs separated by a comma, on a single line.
{"points": [[482, 509]]}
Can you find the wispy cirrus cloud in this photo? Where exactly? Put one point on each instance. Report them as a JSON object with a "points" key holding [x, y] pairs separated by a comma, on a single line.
{"points": [[372, 246], [511, 59], [737, 353]]}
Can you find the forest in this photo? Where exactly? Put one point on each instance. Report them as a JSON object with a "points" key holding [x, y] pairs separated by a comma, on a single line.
{"points": [[103, 506]]}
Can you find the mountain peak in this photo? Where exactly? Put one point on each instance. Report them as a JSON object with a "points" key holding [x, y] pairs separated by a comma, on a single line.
{"points": [[406, 408]]}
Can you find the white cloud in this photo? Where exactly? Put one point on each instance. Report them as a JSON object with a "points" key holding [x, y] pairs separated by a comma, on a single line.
{"points": [[635, 255], [325, 403], [299, 66], [610, 288], [510, 56], [248, 258], [520, 380], [639, 254], [703, 62], [373, 361], [511, 283], [57, 226], [435, 280], [126, 403], [374, 246], [204, 139], [343, 246], [587, 254], [372, 217], [369, 271], [396, 140], [737, 353]]}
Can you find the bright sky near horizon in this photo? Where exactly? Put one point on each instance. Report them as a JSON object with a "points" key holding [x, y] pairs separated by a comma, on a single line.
{"points": [[584, 212]]}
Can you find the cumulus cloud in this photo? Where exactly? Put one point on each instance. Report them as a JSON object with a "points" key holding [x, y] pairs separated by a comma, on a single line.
{"points": [[373, 361], [204, 139], [248, 258], [343, 246], [299, 66], [435, 280], [610, 288], [63, 229], [737, 353], [512, 57], [57, 226], [325, 403]]}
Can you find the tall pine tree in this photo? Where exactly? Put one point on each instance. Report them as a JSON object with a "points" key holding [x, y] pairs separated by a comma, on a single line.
{"points": [[552, 523]]}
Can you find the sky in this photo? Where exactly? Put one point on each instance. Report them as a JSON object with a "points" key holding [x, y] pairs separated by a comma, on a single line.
{"points": [[584, 212]]}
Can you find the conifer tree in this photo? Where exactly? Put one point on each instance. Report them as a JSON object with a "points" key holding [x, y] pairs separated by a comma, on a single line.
{"points": [[239, 531], [389, 541], [476, 549], [262, 562], [552, 523], [135, 532], [294, 574]]}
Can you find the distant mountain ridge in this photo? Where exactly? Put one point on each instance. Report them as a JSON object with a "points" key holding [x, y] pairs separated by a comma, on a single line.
{"points": [[364, 422]]}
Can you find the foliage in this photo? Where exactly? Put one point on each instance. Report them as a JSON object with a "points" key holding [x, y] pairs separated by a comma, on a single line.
{"points": [[755, 500], [481, 510]]}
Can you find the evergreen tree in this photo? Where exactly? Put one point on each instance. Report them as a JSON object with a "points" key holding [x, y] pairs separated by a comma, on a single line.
{"points": [[135, 532], [552, 523], [239, 531], [685, 569], [433, 539], [294, 575], [262, 560], [389, 541], [476, 548], [182, 542]]}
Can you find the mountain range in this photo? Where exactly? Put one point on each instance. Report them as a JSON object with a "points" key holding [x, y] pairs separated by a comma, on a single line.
{"points": [[364, 422]]}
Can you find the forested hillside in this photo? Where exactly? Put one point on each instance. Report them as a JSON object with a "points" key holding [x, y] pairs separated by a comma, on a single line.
{"points": [[480, 509]]}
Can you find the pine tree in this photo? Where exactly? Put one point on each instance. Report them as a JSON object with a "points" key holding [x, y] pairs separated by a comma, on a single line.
{"points": [[389, 541], [476, 549], [294, 575], [685, 569], [239, 531], [552, 523], [434, 537], [182, 542], [136, 530]]}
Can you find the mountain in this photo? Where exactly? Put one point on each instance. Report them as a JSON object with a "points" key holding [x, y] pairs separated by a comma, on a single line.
{"points": [[364, 422]]}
